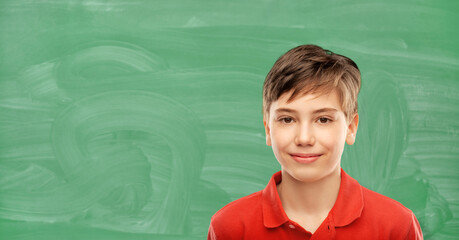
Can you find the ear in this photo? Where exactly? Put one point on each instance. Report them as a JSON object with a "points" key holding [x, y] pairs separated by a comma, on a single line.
{"points": [[352, 129], [267, 132]]}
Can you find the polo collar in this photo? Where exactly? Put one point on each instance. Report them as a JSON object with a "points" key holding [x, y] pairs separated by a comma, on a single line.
{"points": [[342, 212], [273, 212], [349, 204]]}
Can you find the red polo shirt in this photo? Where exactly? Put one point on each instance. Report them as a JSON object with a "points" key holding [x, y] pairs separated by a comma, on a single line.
{"points": [[358, 213]]}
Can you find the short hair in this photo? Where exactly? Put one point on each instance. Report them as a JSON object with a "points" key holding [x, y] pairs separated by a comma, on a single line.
{"points": [[312, 69]]}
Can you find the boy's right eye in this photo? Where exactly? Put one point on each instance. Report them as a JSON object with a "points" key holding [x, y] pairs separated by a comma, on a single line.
{"points": [[286, 120]]}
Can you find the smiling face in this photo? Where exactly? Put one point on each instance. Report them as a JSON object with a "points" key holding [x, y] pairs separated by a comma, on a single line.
{"points": [[308, 133]]}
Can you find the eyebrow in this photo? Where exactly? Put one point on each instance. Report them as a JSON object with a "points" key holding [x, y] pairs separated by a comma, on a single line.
{"points": [[332, 110], [321, 110], [284, 110]]}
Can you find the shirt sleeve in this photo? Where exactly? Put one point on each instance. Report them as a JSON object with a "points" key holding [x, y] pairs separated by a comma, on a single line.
{"points": [[211, 233], [222, 229], [414, 232]]}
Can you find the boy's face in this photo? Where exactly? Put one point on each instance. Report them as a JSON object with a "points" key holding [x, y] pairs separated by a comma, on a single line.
{"points": [[307, 135]]}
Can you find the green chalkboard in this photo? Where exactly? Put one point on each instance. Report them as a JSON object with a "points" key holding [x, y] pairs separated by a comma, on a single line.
{"points": [[140, 119]]}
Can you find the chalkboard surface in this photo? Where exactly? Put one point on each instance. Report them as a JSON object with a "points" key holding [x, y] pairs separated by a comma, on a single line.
{"points": [[140, 119]]}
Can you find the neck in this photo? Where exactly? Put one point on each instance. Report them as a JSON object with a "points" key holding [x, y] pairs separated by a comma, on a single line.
{"points": [[309, 198]]}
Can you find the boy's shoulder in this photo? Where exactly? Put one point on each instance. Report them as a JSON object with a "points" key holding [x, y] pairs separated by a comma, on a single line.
{"points": [[248, 217], [383, 217], [249, 205], [250, 209], [358, 203], [232, 220]]}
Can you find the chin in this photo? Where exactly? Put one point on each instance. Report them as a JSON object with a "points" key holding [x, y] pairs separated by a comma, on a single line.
{"points": [[309, 174], [305, 175]]}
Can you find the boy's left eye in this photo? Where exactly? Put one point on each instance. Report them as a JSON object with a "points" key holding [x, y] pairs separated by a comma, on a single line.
{"points": [[323, 120]]}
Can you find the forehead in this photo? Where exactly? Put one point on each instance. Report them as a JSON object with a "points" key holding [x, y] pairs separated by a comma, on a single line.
{"points": [[307, 102]]}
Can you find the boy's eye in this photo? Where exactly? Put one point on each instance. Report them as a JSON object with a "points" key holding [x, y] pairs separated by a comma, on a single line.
{"points": [[286, 120], [324, 120]]}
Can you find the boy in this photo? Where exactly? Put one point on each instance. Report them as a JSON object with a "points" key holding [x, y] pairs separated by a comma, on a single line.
{"points": [[309, 112]]}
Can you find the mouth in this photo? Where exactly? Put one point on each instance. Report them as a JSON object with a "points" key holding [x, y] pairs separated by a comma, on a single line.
{"points": [[305, 158]]}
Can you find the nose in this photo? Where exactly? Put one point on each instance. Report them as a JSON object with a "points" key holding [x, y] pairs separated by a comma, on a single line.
{"points": [[305, 135]]}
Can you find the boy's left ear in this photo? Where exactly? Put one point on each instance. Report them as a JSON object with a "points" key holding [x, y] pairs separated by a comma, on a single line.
{"points": [[352, 129]]}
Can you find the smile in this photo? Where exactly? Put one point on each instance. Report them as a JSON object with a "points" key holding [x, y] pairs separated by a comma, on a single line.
{"points": [[305, 158]]}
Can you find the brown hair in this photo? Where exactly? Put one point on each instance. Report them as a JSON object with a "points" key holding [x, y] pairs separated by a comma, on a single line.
{"points": [[312, 69]]}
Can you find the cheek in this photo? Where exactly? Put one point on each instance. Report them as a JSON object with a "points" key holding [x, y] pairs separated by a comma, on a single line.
{"points": [[281, 137], [333, 138]]}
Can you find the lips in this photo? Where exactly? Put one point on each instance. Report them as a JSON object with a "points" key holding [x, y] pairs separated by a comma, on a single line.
{"points": [[305, 157]]}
